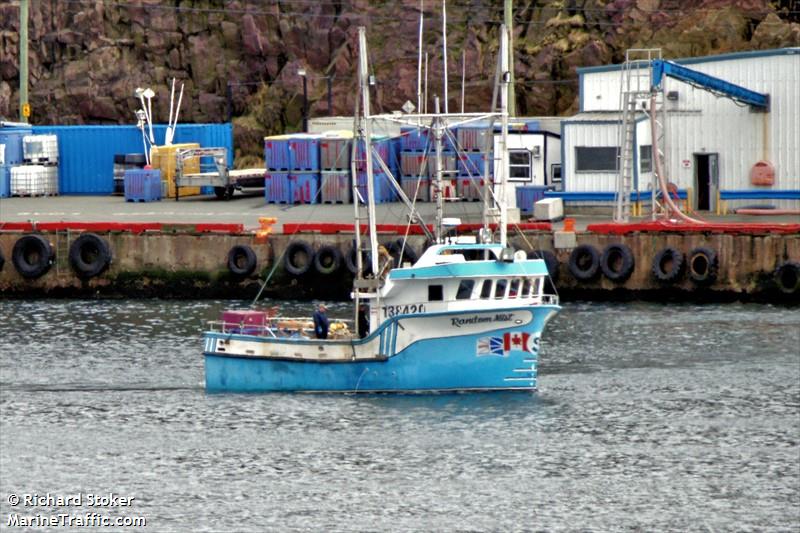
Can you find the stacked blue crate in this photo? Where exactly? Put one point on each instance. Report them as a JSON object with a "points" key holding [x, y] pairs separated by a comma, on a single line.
{"points": [[304, 168], [384, 192], [142, 185], [11, 155], [527, 196], [335, 159], [277, 189], [5, 181]]}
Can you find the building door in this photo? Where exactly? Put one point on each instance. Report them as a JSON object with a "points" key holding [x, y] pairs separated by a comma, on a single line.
{"points": [[706, 181]]}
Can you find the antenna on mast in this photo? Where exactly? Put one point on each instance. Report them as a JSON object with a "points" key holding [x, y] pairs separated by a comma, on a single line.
{"points": [[419, 62], [444, 50]]}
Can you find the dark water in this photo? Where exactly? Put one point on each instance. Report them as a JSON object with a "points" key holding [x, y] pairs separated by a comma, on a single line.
{"points": [[649, 417]]}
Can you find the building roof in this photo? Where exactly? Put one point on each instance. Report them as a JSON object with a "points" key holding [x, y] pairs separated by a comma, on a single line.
{"points": [[600, 117], [705, 59]]}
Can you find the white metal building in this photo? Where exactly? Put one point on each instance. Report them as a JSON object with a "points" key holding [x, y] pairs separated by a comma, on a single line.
{"points": [[712, 143]]}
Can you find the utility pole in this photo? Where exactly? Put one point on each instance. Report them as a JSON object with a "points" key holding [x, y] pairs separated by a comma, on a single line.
{"points": [[24, 108], [509, 22]]}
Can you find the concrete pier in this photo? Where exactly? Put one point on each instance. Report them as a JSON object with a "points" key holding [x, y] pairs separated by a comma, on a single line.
{"points": [[181, 250]]}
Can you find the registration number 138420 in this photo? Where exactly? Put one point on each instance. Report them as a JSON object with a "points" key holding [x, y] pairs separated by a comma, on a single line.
{"points": [[394, 310]]}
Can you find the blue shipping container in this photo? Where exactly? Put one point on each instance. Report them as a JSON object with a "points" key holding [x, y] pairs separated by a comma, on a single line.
{"points": [[86, 153], [413, 139], [142, 185], [11, 138], [5, 181]]}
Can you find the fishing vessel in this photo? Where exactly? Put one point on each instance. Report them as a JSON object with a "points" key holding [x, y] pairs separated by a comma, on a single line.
{"points": [[465, 316]]}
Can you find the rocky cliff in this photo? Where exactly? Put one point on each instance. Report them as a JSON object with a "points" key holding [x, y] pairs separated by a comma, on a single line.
{"points": [[242, 57]]}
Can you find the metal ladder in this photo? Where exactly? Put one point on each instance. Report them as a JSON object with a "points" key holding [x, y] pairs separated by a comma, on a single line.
{"points": [[62, 238], [635, 85]]}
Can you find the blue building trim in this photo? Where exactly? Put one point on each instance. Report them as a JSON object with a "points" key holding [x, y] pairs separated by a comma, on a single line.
{"points": [[760, 194], [598, 196], [581, 92], [696, 60]]}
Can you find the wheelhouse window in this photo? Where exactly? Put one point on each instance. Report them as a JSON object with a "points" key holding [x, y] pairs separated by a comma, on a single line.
{"points": [[486, 289], [513, 290], [500, 288], [435, 293], [465, 289], [596, 158], [537, 285], [519, 165], [526, 288]]}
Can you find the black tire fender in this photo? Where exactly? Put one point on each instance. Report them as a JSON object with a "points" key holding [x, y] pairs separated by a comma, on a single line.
{"points": [[350, 259], [668, 264], [241, 260], [703, 265], [787, 277], [550, 260], [327, 260], [584, 262], [89, 255], [32, 256], [617, 262], [298, 258]]}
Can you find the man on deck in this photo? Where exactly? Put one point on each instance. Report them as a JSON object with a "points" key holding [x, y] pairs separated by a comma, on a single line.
{"points": [[321, 323]]}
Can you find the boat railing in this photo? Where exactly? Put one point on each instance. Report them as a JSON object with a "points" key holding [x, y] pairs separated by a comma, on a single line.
{"points": [[281, 327], [549, 299]]}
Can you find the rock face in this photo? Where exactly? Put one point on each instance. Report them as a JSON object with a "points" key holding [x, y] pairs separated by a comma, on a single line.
{"points": [[86, 59]]}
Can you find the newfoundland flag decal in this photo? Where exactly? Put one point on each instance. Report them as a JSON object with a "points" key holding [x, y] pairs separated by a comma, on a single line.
{"points": [[501, 346]]}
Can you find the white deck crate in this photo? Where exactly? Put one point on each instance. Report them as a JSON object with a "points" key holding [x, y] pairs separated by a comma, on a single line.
{"points": [[40, 149], [34, 180]]}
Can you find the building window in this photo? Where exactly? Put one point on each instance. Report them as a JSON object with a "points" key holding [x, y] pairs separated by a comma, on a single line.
{"points": [[486, 290], [465, 289], [596, 158], [645, 158], [500, 288], [519, 165], [555, 174], [435, 293]]}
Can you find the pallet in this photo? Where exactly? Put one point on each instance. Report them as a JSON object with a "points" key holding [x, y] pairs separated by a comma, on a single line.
{"points": [[38, 161], [34, 194], [334, 202]]}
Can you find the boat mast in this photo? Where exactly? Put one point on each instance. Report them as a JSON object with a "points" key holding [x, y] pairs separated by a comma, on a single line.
{"points": [[357, 128], [505, 79], [363, 78], [437, 134], [444, 50]]}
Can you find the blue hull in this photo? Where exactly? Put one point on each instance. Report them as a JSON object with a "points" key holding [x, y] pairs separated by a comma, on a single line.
{"points": [[465, 362]]}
